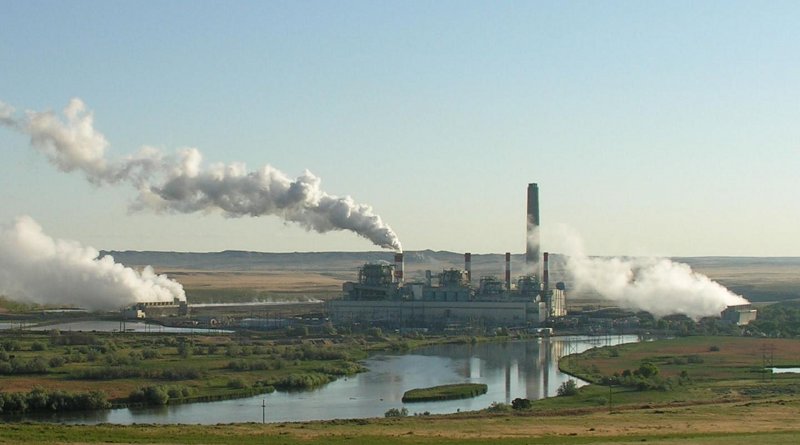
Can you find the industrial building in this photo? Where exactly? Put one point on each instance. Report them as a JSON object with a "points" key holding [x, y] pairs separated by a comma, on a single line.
{"points": [[382, 295], [740, 314], [156, 309]]}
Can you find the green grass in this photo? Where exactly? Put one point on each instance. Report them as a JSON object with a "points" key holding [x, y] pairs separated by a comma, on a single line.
{"points": [[445, 392], [724, 403], [303, 362]]}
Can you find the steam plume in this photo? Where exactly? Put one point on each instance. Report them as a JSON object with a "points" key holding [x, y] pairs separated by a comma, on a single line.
{"points": [[181, 183], [37, 268], [657, 285]]}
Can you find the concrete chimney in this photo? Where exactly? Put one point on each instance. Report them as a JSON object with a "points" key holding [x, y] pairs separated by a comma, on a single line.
{"points": [[508, 270], [545, 272], [398, 268], [468, 266], [532, 242]]}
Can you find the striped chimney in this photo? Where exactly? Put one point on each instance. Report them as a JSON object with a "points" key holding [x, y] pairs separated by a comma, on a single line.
{"points": [[545, 272], [398, 268]]}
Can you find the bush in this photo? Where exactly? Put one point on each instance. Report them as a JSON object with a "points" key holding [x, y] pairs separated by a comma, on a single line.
{"points": [[57, 361], [237, 383], [714, 348], [496, 407], [394, 412], [519, 404], [647, 370], [150, 354], [150, 395], [11, 345], [38, 346], [568, 388], [39, 399]]}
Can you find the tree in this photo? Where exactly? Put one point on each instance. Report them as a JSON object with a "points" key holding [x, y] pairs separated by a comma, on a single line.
{"points": [[568, 388], [520, 403], [394, 412], [647, 370]]}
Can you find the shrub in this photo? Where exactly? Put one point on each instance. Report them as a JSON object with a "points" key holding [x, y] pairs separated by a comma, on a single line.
{"points": [[713, 348], [647, 370], [568, 388], [150, 395], [150, 354], [57, 361], [237, 383], [496, 407], [11, 345], [394, 412], [520, 404], [38, 346]]}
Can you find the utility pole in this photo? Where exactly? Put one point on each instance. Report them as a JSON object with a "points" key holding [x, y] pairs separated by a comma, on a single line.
{"points": [[264, 411], [610, 401]]}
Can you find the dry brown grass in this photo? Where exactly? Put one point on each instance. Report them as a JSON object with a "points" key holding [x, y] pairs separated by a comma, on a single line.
{"points": [[260, 281]]}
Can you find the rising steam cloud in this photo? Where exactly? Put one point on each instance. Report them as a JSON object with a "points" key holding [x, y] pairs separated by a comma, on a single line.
{"points": [[180, 183], [39, 269], [656, 285]]}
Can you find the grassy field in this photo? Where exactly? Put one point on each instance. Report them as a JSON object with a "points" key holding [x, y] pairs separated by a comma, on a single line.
{"points": [[217, 366], [764, 422], [723, 400]]}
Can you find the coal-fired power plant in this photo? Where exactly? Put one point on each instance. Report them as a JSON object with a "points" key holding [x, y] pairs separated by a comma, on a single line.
{"points": [[384, 295]]}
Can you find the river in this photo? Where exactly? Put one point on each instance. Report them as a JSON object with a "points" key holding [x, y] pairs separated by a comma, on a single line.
{"points": [[524, 368]]}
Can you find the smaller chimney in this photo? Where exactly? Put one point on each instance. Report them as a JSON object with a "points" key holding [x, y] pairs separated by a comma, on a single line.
{"points": [[468, 266], [545, 272], [508, 270], [398, 268]]}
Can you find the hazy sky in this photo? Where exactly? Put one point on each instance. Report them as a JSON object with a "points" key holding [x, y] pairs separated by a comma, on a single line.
{"points": [[651, 128]]}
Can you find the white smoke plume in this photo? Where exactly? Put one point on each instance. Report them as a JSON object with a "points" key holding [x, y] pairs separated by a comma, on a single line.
{"points": [[39, 269], [656, 285], [181, 183]]}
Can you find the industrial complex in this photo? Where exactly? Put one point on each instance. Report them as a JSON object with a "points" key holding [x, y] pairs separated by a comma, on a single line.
{"points": [[453, 297]]}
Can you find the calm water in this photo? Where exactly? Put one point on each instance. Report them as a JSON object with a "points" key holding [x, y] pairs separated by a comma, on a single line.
{"points": [[527, 369], [785, 370]]}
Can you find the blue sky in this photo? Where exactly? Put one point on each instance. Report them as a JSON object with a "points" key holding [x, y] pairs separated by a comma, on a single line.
{"points": [[652, 128]]}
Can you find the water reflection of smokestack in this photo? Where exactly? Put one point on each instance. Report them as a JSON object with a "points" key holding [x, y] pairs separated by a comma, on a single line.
{"points": [[547, 345], [508, 382], [541, 364]]}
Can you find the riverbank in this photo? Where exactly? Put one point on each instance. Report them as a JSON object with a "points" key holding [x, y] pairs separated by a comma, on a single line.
{"points": [[769, 421], [138, 369]]}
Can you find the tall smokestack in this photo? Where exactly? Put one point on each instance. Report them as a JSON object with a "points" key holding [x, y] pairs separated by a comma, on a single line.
{"points": [[532, 234], [508, 270], [468, 265], [398, 268], [545, 272]]}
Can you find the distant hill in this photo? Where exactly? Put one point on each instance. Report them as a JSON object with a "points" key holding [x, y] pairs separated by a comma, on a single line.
{"points": [[756, 278]]}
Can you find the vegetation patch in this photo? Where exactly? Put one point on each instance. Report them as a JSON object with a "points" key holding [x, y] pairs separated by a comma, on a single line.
{"points": [[445, 392]]}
